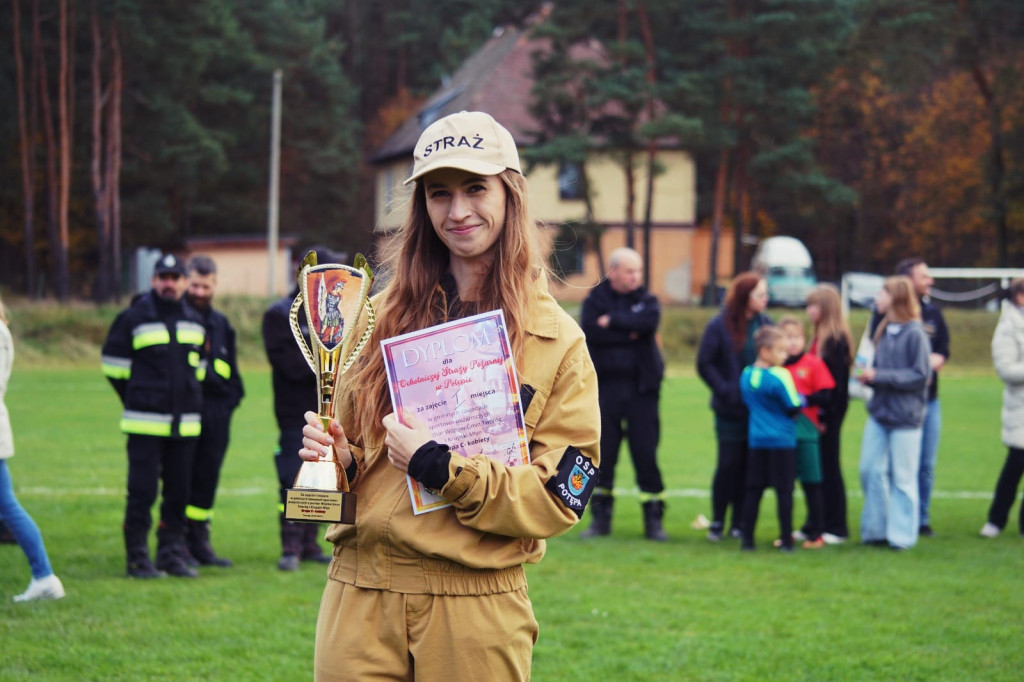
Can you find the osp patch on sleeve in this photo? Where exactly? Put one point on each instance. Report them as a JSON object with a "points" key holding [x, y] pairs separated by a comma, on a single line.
{"points": [[575, 480]]}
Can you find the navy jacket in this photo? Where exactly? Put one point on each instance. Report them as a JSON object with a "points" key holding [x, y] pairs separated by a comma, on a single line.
{"points": [[294, 382], [222, 384], [720, 366], [626, 349]]}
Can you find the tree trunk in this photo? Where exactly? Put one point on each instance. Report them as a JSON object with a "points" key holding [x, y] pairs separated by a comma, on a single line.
{"points": [[101, 290], [652, 149], [27, 146], [52, 186], [718, 212], [113, 173], [61, 284]]}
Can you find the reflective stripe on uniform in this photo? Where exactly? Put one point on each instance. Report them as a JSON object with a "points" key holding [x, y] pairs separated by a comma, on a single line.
{"points": [[116, 367], [190, 424], [146, 423], [150, 334], [222, 368], [198, 513], [200, 366], [190, 333]]}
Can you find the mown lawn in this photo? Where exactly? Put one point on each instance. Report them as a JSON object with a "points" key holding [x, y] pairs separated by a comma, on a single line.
{"points": [[619, 608]]}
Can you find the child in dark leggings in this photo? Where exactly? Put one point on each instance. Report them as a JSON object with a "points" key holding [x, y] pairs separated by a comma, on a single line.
{"points": [[773, 401]]}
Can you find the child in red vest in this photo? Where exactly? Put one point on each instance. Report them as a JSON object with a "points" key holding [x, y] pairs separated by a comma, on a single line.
{"points": [[813, 381]]}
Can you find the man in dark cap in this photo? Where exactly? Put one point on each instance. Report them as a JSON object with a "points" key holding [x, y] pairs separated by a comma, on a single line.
{"points": [[151, 357]]}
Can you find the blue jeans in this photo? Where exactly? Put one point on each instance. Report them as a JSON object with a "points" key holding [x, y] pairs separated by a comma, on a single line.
{"points": [[889, 460], [929, 453], [25, 530]]}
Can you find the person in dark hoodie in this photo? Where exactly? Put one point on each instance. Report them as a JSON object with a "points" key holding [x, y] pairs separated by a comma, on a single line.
{"points": [[294, 386], [726, 347], [620, 319], [891, 446]]}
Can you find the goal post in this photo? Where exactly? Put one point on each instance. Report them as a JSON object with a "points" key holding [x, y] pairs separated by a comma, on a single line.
{"points": [[966, 287]]}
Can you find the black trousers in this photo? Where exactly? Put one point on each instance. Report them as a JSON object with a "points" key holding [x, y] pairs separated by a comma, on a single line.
{"points": [[620, 403], [833, 489], [210, 450], [729, 483], [287, 459], [774, 468], [153, 460], [1006, 490]]}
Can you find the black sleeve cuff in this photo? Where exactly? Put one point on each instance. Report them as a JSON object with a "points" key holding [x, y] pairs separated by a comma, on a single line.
{"points": [[351, 470], [429, 464], [820, 398]]}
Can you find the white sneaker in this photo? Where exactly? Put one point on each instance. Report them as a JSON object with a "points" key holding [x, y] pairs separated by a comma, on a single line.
{"points": [[831, 539], [49, 587], [799, 535], [990, 530]]}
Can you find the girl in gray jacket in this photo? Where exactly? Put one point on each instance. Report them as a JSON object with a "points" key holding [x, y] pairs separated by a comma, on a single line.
{"points": [[891, 447]]}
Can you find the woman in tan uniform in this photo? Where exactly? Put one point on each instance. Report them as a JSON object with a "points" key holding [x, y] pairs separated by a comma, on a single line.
{"points": [[443, 594]]}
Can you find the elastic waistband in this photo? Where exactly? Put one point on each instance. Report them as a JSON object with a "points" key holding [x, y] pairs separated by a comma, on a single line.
{"points": [[428, 576]]}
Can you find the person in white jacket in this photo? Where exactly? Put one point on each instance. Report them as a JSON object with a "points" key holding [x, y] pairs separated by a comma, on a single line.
{"points": [[1008, 358], [44, 585]]}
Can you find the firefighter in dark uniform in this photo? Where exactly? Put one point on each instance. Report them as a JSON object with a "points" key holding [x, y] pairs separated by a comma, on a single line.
{"points": [[152, 357], [620, 319], [222, 392], [295, 392]]}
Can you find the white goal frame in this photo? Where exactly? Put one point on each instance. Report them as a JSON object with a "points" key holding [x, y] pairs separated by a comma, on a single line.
{"points": [[1002, 275]]}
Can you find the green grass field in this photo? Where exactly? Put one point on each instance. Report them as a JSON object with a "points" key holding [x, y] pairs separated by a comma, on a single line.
{"points": [[619, 608]]}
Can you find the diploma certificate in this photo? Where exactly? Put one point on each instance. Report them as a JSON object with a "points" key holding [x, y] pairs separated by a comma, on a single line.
{"points": [[459, 378]]}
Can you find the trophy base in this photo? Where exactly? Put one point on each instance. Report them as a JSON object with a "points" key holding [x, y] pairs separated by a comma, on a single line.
{"points": [[307, 505]]}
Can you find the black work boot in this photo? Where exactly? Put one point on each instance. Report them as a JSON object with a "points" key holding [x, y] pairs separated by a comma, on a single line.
{"points": [[311, 549], [291, 545], [653, 511], [197, 539], [600, 516], [139, 565], [168, 554]]}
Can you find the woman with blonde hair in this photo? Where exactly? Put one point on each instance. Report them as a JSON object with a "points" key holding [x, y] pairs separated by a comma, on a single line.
{"points": [[44, 584], [833, 343], [443, 595], [891, 447]]}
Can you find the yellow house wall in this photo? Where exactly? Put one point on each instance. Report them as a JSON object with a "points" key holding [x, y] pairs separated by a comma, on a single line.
{"points": [[674, 192], [245, 270], [679, 263], [680, 252]]}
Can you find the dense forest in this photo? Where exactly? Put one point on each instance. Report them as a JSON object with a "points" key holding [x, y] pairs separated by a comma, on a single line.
{"points": [[868, 128]]}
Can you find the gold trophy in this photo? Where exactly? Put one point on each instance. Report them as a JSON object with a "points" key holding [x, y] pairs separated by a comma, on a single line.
{"points": [[333, 296]]}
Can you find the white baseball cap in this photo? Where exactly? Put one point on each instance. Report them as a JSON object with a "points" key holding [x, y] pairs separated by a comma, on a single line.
{"points": [[469, 140]]}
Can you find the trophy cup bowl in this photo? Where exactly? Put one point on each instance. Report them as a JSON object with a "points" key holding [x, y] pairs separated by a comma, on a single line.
{"points": [[332, 296]]}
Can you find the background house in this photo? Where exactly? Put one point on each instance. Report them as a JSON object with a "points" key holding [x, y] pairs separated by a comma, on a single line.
{"points": [[498, 79], [243, 264]]}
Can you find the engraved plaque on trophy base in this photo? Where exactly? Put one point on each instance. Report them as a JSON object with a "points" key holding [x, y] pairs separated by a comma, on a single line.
{"points": [[319, 506]]}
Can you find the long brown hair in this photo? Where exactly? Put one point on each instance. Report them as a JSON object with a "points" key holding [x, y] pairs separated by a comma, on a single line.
{"points": [[831, 326], [736, 302], [413, 261], [904, 306]]}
